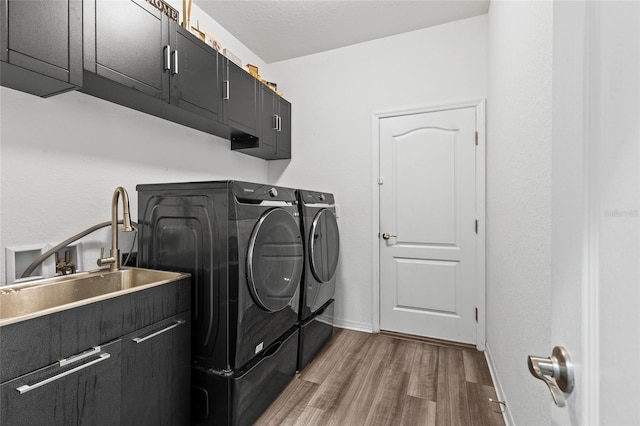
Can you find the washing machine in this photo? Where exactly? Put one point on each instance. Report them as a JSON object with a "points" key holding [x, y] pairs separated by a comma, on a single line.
{"points": [[242, 244], [322, 247]]}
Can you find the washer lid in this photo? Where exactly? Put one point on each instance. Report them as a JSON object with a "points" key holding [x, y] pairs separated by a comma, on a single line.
{"points": [[275, 260], [324, 245]]}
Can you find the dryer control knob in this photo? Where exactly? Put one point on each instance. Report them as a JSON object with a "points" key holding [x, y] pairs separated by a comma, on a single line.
{"points": [[273, 192]]}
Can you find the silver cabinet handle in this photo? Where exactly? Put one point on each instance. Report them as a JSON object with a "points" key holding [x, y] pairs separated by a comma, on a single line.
{"points": [[167, 57], [226, 90], [164, 330], [275, 121], [387, 235], [556, 372], [83, 355], [174, 57], [26, 388], [279, 123]]}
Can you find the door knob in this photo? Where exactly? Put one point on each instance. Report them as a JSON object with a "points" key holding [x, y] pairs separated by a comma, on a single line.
{"points": [[556, 372], [387, 235]]}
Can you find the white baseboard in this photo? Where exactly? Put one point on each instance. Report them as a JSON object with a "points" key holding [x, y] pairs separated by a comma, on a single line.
{"points": [[506, 412], [352, 325]]}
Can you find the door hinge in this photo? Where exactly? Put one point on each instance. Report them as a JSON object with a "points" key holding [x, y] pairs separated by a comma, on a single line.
{"points": [[476, 138], [380, 180], [476, 226], [476, 314]]}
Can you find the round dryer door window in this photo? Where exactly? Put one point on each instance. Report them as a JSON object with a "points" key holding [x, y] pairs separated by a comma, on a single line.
{"points": [[324, 245], [275, 260]]}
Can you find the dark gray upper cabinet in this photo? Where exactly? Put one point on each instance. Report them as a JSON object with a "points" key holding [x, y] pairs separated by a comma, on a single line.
{"points": [[240, 102], [274, 138], [129, 52], [132, 51], [283, 141], [196, 75], [41, 45], [128, 42], [269, 120]]}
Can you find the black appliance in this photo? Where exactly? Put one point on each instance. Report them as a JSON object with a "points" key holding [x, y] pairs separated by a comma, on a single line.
{"points": [[241, 242], [322, 247]]}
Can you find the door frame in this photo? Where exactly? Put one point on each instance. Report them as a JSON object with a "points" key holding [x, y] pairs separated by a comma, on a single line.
{"points": [[479, 105]]}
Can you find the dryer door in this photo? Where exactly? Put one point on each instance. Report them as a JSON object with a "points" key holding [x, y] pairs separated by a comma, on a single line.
{"points": [[275, 260], [324, 245]]}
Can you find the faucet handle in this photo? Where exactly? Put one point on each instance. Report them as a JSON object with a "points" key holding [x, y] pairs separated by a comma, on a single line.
{"points": [[104, 260]]}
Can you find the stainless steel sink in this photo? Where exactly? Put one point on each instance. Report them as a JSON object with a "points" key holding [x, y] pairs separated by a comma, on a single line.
{"points": [[41, 297]]}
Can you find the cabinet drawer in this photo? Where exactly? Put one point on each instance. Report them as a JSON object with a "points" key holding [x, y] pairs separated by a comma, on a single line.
{"points": [[83, 390]]}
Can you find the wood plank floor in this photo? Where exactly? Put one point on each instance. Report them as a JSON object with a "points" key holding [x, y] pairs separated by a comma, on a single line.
{"points": [[373, 379]]}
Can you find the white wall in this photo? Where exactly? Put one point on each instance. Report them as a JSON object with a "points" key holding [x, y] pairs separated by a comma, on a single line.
{"points": [[62, 157], [519, 201], [334, 96]]}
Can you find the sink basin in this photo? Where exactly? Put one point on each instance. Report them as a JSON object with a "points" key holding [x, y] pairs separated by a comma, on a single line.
{"points": [[41, 297]]}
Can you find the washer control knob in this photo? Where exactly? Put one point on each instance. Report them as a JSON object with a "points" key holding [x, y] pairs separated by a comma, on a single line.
{"points": [[273, 192], [321, 197]]}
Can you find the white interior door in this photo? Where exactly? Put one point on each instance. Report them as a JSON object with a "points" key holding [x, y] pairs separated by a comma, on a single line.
{"points": [[596, 205], [428, 234]]}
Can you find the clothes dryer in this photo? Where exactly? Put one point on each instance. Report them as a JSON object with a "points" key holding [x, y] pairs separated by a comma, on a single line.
{"points": [[242, 244], [322, 247]]}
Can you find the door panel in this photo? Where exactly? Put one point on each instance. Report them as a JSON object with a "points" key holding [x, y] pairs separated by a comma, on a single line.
{"points": [[427, 285], [240, 104], [428, 279], [431, 218], [40, 30], [121, 25], [197, 88]]}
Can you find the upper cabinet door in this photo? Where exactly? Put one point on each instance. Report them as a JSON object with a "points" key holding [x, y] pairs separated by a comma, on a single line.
{"points": [[128, 42], [43, 39], [196, 74], [240, 100], [283, 148], [268, 120]]}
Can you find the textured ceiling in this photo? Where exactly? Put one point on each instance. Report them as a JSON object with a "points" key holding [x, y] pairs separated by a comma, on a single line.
{"points": [[280, 30]]}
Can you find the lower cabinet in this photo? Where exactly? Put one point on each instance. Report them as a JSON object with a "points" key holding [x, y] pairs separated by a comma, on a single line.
{"points": [[83, 389], [142, 378], [156, 373]]}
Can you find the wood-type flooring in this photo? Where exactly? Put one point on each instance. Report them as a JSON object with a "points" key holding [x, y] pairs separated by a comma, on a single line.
{"points": [[374, 379]]}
